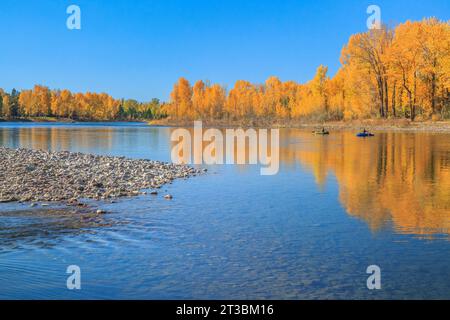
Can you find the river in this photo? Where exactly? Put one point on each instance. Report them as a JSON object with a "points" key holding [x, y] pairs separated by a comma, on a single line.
{"points": [[338, 205]]}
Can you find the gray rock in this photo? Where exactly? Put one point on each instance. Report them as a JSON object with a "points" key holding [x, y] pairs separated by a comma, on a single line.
{"points": [[36, 176]]}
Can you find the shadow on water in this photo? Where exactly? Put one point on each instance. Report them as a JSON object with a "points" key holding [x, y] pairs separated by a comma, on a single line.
{"points": [[44, 228]]}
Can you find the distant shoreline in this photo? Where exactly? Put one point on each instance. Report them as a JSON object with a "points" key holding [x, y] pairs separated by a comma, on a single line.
{"points": [[64, 120], [369, 124], [373, 125]]}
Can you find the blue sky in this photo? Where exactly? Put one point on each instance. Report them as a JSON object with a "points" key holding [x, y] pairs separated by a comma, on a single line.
{"points": [[138, 49]]}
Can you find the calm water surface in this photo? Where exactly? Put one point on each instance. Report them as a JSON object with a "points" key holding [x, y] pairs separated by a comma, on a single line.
{"points": [[338, 205]]}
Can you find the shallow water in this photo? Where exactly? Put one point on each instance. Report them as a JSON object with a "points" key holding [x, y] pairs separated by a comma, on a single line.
{"points": [[338, 204]]}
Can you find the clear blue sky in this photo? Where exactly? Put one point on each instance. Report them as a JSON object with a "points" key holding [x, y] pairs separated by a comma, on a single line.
{"points": [[138, 49]]}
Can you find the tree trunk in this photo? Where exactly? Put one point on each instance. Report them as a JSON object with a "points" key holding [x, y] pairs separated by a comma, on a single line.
{"points": [[393, 99], [386, 97], [381, 95], [413, 106], [433, 93]]}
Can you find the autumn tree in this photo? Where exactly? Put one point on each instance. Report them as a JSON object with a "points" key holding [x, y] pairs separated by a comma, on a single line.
{"points": [[25, 102], [63, 104], [242, 99], [367, 53], [6, 110], [405, 61], [10, 104], [181, 99], [199, 103], [434, 45], [319, 87]]}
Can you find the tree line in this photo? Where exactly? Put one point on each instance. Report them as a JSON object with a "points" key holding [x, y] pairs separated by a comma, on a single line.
{"points": [[43, 102], [403, 72]]}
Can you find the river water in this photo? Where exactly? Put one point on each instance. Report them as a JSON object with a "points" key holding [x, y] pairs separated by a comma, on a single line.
{"points": [[338, 205]]}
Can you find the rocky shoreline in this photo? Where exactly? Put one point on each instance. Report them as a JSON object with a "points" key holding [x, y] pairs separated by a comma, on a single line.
{"points": [[42, 176]]}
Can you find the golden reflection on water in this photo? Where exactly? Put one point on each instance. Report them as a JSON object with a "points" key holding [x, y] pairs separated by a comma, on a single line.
{"points": [[394, 178], [398, 178], [54, 138]]}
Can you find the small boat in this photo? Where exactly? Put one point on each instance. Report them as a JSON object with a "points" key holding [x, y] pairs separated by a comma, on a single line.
{"points": [[321, 132], [365, 134]]}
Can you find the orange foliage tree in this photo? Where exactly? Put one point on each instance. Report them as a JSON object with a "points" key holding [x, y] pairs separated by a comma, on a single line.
{"points": [[400, 72]]}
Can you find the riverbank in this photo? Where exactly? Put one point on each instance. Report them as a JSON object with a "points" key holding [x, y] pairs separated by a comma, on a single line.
{"points": [[356, 125], [36, 175], [38, 119], [63, 120]]}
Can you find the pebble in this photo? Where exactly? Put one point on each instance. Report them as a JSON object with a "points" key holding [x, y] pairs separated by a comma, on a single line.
{"points": [[46, 176]]}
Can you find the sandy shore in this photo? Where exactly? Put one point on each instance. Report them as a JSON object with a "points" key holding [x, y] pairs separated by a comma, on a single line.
{"points": [[36, 175]]}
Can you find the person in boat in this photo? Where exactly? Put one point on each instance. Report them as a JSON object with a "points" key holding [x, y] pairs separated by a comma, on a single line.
{"points": [[323, 130], [365, 131]]}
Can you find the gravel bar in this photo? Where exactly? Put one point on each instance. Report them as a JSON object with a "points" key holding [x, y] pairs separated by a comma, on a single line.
{"points": [[36, 175]]}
